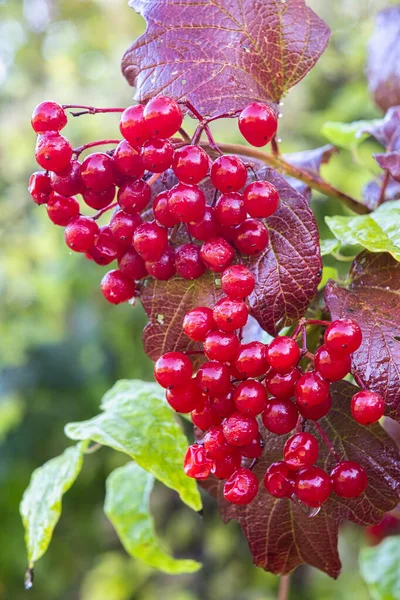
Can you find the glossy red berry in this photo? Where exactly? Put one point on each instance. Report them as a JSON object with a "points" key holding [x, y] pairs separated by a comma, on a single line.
{"points": [[217, 254], [97, 171], [105, 248], [53, 151], [150, 240], [223, 406], [205, 417], [241, 487], [186, 202], [127, 159], [133, 126], [223, 468], [123, 225], [280, 416], [161, 210], [205, 228], [188, 262], [157, 155], [190, 164], [228, 173], [40, 187], [349, 479], [343, 336], [68, 182], [134, 196], [316, 412], [278, 480], [164, 267], [283, 354], [61, 209], [215, 443], [250, 397], [173, 369], [230, 315], [331, 366], [98, 200], [282, 386], [258, 124], [185, 398], [312, 486], [196, 464], [48, 116], [251, 237], [132, 264], [240, 429], [80, 233], [214, 378], [261, 199], [229, 209], [237, 281], [163, 117], [254, 449], [221, 346], [198, 322], [251, 360], [117, 288], [311, 389], [367, 407], [300, 451]]}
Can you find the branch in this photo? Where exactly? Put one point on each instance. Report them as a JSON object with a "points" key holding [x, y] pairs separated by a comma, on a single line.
{"points": [[284, 583]]}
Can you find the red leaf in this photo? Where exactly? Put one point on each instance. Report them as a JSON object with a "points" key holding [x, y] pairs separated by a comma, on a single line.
{"points": [[373, 300], [311, 161], [223, 54]]}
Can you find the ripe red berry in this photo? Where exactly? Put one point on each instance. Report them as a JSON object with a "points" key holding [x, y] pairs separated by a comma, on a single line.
{"points": [[163, 117], [330, 365], [316, 412], [133, 126], [349, 479], [205, 228], [230, 315], [230, 210], [241, 487], [198, 322], [190, 164], [250, 397], [251, 360], [97, 171], [53, 151], [205, 417], [105, 248], [157, 155], [258, 124], [228, 173], [282, 386], [162, 212], [188, 263], [240, 429], [237, 281], [251, 237], [311, 389], [173, 369], [300, 451], [163, 268], [185, 398], [343, 336], [312, 486], [68, 182], [134, 196], [254, 449], [48, 116], [283, 354], [217, 254], [186, 202], [99, 200], [117, 288], [261, 199], [221, 346], [150, 240], [367, 407], [61, 209], [278, 480], [131, 264], [280, 416], [215, 443], [40, 187], [123, 225], [214, 378], [196, 464], [127, 159], [80, 233], [223, 406], [223, 468]]}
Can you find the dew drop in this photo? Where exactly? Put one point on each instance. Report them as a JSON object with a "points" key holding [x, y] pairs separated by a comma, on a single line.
{"points": [[28, 581], [279, 140], [183, 82], [132, 301], [309, 511], [160, 319]]}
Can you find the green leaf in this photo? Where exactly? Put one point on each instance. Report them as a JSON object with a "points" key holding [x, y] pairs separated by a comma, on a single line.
{"points": [[377, 232], [380, 568], [346, 135], [328, 273], [40, 507], [137, 421], [127, 507], [328, 246]]}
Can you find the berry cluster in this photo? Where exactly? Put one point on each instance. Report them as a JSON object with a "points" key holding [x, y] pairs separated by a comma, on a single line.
{"points": [[241, 386], [141, 234]]}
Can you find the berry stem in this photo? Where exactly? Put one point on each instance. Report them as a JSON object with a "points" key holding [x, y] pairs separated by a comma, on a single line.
{"points": [[155, 177], [193, 352], [185, 136], [317, 322], [385, 182], [284, 584], [90, 110], [274, 146], [104, 210], [80, 149], [326, 440]]}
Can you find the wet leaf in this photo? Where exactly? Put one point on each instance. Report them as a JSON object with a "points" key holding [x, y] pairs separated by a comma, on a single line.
{"points": [[328, 246], [390, 162], [380, 569], [346, 135], [311, 161]]}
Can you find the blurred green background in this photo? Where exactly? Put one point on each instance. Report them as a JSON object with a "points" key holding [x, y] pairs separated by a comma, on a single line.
{"points": [[62, 346]]}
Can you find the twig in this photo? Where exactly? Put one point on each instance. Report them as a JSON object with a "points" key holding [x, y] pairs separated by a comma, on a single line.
{"points": [[383, 188], [284, 584], [104, 210], [326, 440], [90, 110], [77, 151]]}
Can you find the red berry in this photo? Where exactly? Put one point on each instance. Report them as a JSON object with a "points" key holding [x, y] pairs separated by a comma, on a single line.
{"points": [[254, 449], [261, 199], [97, 171], [300, 451], [40, 187], [223, 406], [133, 126], [282, 386], [105, 248], [258, 124], [48, 116], [349, 479], [278, 480], [241, 487], [80, 233], [283, 354], [230, 209], [215, 443], [251, 237], [186, 202], [68, 182], [196, 464], [190, 164], [230, 315], [316, 412], [237, 281], [367, 407], [61, 209], [217, 254], [163, 117], [188, 262], [53, 151], [185, 398], [228, 173], [150, 240], [312, 486], [251, 360], [330, 365], [99, 200], [123, 225], [221, 346], [157, 155], [163, 268], [240, 429], [162, 212], [311, 389], [223, 468], [173, 369], [132, 264], [134, 196], [343, 336], [205, 228], [205, 417], [250, 397], [198, 322], [117, 287], [214, 378], [127, 159], [280, 416]]}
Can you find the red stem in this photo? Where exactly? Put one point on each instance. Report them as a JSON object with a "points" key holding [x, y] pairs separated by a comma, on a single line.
{"points": [[383, 188], [91, 110], [80, 149], [104, 210], [317, 322], [327, 440]]}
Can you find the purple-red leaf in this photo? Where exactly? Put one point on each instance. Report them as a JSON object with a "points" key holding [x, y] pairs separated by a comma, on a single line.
{"points": [[280, 535], [372, 192], [373, 300], [390, 162], [223, 54], [311, 161]]}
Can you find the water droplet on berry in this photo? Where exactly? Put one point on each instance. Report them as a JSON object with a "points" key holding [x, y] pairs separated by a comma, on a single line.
{"points": [[309, 511]]}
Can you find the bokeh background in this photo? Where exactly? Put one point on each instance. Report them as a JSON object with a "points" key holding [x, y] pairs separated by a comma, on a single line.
{"points": [[62, 346]]}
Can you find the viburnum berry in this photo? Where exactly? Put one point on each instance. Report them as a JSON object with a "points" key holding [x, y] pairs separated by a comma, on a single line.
{"points": [[237, 282], [205, 228], [40, 187], [229, 209], [80, 233], [68, 182], [190, 164], [254, 449], [117, 287], [53, 151], [133, 126], [251, 237], [164, 267], [163, 117], [283, 354], [278, 480], [99, 200], [132, 264], [173, 369], [224, 467], [282, 386], [188, 262], [367, 407], [227, 233], [280, 416], [186, 202], [150, 240], [251, 360], [240, 429], [205, 417], [250, 397], [134, 196], [230, 315], [316, 412], [198, 322], [123, 225], [331, 366], [343, 337], [241, 487], [61, 209], [105, 248], [312, 486], [311, 389], [228, 173], [300, 451], [127, 159], [157, 155], [161, 210], [349, 479], [261, 199], [48, 116], [97, 171], [214, 378], [221, 346], [223, 406], [258, 124], [215, 443], [216, 254], [185, 398], [196, 464]]}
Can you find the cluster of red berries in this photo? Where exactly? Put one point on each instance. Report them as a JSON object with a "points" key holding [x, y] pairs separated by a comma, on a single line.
{"points": [[242, 386], [142, 231]]}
